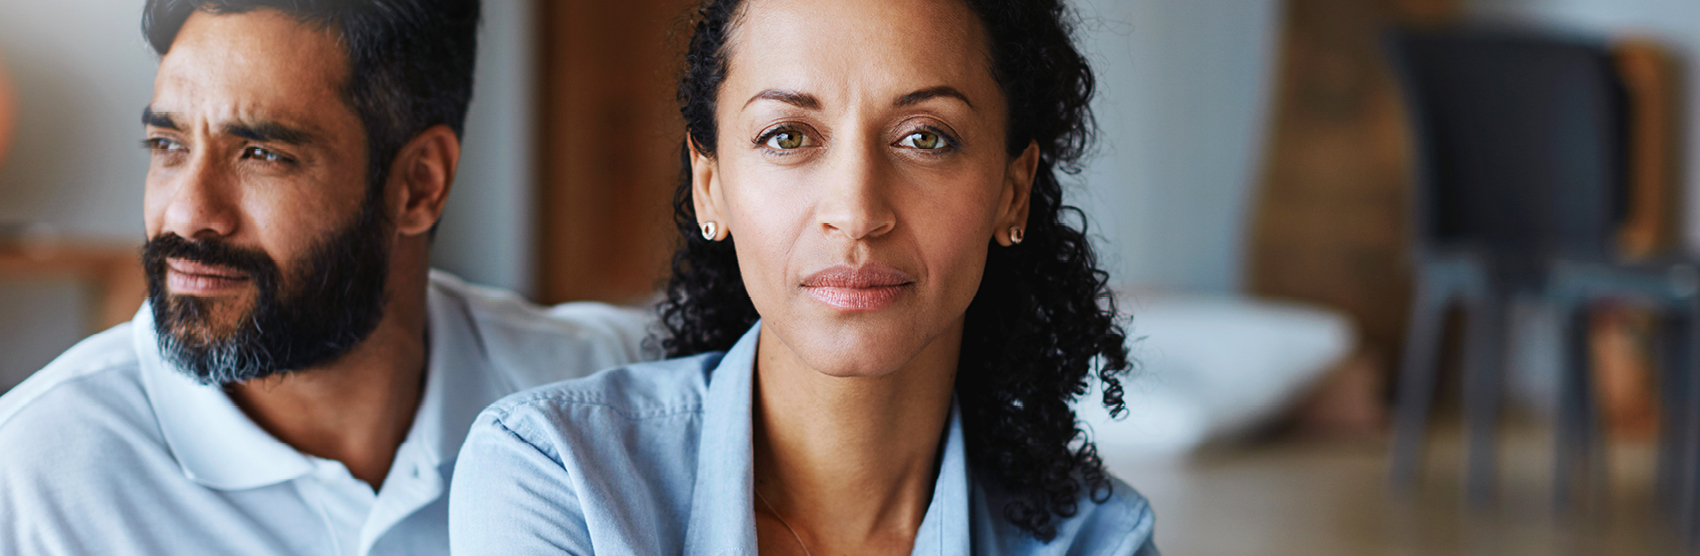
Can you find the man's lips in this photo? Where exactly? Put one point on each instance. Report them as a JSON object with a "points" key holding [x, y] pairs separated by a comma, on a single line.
{"points": [[191, 278], [869, 287]]}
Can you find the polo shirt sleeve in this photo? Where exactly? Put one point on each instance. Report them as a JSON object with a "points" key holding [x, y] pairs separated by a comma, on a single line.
{"points": [[628, 328]]}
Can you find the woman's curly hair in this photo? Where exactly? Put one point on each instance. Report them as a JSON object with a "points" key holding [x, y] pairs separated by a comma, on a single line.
{"points": [[1043, 318]]}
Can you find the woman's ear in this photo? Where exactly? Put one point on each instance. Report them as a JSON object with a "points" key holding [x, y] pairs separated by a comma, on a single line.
{"points": [[705, 193], [423, 173], [1017, 192]]}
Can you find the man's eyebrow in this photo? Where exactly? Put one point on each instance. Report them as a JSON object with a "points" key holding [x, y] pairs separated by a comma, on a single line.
{"points": [[264, 131], [269, 132], [158, 119], [794, 98], [922, 95]]}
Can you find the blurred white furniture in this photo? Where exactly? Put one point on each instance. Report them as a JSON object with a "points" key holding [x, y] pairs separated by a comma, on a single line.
{"points": [[1213, 368]]}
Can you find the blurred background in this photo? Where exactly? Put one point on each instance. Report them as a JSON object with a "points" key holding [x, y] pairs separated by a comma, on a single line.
{"points": [[1403, 276]]}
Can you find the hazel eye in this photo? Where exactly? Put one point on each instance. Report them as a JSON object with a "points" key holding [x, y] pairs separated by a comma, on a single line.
{"points": [[786, 139], [925, 140]]}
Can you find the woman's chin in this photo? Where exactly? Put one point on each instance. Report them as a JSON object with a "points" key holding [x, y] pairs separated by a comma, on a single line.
{"points": [[870, 354], [860, 346], [856, 369]]}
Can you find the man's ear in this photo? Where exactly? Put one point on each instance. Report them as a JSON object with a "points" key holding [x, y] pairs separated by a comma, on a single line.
{"points": [[1017, 193], [423, 173], [705, 191]]}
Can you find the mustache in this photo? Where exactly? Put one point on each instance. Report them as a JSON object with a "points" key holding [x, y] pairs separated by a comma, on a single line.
{"points": [[214, 252]]}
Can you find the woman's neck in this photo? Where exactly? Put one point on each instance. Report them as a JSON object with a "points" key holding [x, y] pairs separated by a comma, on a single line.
{"points": [[849, 463]]}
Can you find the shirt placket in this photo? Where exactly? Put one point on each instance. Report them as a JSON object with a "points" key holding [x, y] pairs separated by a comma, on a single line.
{"points": [[343, 502], [414, 482]]}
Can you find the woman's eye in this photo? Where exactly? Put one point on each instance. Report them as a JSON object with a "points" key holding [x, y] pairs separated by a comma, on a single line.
{"points": [[786, 140], [257, 153], [924, 140]]}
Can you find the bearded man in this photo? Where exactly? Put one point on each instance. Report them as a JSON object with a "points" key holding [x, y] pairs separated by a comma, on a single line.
{"points": [[299, 381]]}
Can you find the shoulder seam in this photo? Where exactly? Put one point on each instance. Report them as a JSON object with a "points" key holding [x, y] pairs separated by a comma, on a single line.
{"points": [[509, 430], [1139, 516], [6, 416], [576, 398]]}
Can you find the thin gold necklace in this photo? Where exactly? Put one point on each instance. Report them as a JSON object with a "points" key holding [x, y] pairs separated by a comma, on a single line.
{"points": [[781, 519]]}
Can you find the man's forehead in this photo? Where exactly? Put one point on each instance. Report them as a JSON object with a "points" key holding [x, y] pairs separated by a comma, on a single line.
{"points": [[248, 68]]}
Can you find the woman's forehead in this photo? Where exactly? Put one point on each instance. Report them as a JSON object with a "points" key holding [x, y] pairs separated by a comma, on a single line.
{"points": [[834, 49]]}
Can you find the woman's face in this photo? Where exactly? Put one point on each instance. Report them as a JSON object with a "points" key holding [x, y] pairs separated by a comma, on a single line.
{"points": [[861, 167]]}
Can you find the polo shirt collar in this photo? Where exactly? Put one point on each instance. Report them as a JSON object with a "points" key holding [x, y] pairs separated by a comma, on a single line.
{"points": [[722, 520], [213, 441], [459, 381], [220, 447]]}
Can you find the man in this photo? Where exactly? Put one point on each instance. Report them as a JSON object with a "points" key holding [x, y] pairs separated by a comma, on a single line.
{"points": [[300, 382]]}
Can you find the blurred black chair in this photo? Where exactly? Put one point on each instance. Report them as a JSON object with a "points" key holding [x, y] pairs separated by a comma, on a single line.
{"points": [[1521, 186]]}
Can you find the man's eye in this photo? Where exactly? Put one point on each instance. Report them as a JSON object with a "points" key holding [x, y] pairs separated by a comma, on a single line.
{"points": [[924, 140], [786, 139], [256, 153], [161, 144]]}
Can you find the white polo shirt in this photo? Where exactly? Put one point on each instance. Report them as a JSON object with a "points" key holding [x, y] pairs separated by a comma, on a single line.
{"points": [[111, 450]]}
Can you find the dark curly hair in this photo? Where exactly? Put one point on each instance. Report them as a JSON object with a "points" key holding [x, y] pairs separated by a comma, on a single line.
{"points": [[1043, 317]]}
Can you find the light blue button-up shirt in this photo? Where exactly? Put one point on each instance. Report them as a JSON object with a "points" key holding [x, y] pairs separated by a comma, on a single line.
{"points": [[111, 450], [656, 458]]}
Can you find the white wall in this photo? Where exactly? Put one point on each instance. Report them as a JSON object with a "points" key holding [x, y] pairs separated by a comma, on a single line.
{"points": [[1675, 23], [83, 74], [1184, 102], [488, 230]]}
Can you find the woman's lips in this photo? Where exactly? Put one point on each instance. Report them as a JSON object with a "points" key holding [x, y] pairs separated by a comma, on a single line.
{"points": [[196, 279], [865, 288]]}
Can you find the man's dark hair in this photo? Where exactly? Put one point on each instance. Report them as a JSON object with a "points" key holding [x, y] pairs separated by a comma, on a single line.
{"points": [[409, 61]]}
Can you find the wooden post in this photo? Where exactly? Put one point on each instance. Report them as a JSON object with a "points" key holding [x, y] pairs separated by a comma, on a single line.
{"points": [[1331, 221], [608, 146]]}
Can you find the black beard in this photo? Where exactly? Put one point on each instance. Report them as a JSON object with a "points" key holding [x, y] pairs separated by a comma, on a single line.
{"points": [[331, 304]]}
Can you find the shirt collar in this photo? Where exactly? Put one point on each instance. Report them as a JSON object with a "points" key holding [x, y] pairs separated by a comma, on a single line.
{"points": [[213, 441], [722, 521], [459, 381], [944, 530], [219, 446], [723, 516]]}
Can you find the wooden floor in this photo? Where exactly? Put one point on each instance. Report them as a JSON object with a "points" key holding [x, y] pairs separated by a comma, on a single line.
{"points": [[1293, 497]]}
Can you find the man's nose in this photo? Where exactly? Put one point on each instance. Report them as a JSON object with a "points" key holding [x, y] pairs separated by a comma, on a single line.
{"points": [[201, 203], [855, 199]]}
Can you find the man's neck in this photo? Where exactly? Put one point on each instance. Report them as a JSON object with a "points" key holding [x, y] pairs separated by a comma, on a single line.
{"points": [[358, 409]]}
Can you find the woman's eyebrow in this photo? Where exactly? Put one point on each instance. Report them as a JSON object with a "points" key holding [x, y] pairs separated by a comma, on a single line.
{"points": [[930, 93], [795, 98]]}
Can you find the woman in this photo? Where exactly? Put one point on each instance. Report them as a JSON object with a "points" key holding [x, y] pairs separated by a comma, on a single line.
{"points": [[881, 362]]}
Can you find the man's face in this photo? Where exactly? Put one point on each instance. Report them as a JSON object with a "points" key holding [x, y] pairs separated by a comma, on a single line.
{"points": [[267, 244]]}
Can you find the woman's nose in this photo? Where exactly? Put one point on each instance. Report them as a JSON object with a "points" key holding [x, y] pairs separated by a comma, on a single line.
{"points": [[855, 200]]}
